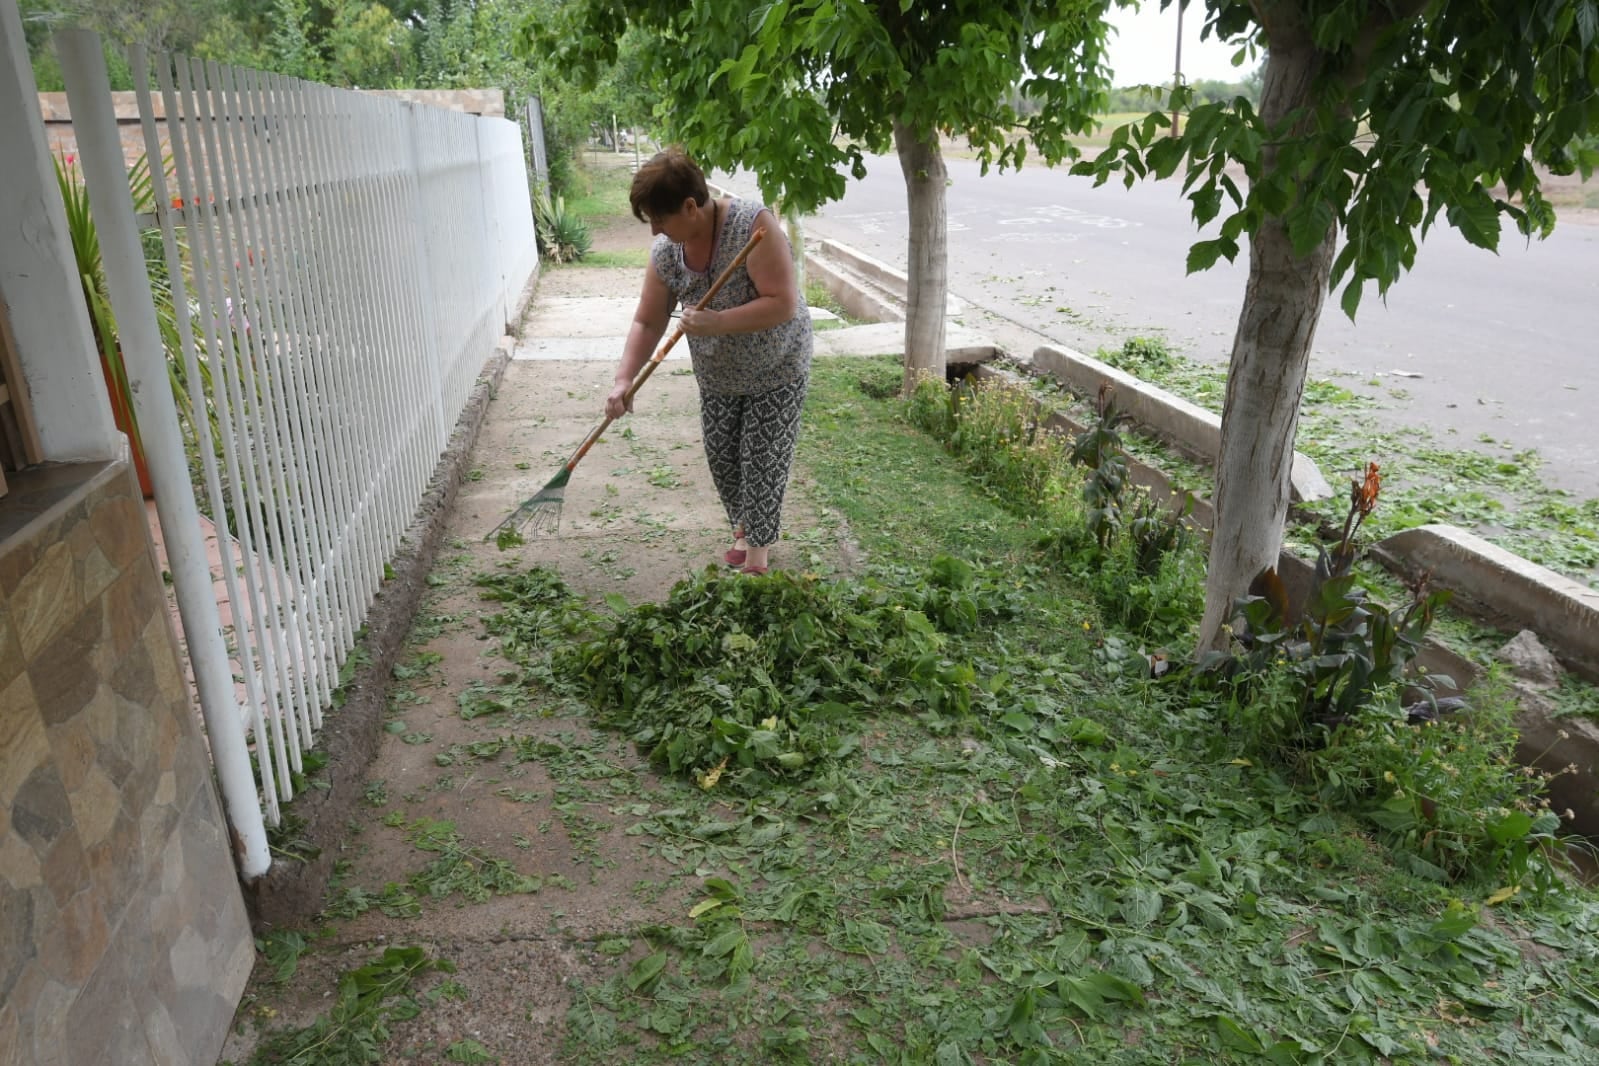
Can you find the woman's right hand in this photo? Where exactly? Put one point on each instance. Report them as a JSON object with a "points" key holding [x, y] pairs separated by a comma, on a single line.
{"points": [[617, 403]]}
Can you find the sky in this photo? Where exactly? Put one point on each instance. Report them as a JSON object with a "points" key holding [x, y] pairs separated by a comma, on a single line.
{"points": [[1144, 48]]}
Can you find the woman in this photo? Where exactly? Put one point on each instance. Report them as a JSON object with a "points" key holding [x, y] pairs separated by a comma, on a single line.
{"points": [[751, 347]]}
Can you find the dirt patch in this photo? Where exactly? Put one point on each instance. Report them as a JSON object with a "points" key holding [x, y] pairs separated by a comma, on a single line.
{"points": [[618, 234]]}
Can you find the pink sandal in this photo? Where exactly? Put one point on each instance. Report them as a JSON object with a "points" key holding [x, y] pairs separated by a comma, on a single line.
{"points": [[735, 555], [753, 571]]}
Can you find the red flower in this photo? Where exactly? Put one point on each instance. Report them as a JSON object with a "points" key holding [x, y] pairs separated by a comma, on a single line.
{"points": [[1364, 496]]}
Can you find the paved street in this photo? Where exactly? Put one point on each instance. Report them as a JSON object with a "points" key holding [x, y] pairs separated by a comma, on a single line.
{"points": [[1502, 346]]}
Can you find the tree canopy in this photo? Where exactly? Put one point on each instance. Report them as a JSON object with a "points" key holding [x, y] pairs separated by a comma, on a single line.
{"points": [[1415, 111], [1377, 119], [798, 91]]}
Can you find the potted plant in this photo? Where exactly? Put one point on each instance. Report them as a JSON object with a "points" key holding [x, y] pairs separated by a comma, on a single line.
{"points": [[102, 318]]}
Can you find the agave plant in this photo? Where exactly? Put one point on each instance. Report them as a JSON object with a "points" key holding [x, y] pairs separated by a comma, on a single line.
{"points": [[563, 237], [85, 240]]}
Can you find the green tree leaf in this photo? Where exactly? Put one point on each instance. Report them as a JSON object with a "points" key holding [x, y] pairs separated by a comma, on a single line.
{"points": [[645, 971]]}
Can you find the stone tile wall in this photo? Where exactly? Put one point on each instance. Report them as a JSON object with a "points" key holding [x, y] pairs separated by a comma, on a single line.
{"points": [[123, 935]]}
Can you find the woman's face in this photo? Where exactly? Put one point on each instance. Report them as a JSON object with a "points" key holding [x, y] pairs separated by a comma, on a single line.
{"points": [[678, 226]]}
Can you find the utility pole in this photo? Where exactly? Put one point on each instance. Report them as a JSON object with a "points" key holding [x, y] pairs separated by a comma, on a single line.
{"points": [[1177, 70]]}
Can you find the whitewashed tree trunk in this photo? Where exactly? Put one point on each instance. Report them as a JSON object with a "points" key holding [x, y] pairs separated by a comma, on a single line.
{"points": [[928, 267], [1266, 377]]}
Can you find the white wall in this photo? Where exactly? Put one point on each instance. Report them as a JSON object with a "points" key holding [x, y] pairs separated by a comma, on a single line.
{"points": [[37, 277]]}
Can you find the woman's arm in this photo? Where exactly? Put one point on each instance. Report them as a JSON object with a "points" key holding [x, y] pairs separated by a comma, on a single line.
{"points": [[650, 317], [777, 294]]}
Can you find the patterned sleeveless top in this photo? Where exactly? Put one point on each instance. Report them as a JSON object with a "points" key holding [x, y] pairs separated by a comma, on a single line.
{"points": [[738, 364]]}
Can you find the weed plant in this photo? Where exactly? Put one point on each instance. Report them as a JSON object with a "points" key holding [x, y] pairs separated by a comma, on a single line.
{"points": [[1445, 793], [1138, 557]]}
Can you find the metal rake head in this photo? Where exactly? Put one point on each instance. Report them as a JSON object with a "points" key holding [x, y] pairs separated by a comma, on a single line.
{"points": [[536, 517], [540, 513]]}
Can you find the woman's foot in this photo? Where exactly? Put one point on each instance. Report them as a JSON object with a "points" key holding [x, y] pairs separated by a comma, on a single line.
{"points": [[738, 554], [755, 559]]}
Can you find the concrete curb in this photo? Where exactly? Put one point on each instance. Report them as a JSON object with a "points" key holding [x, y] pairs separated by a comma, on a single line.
{"points": [[291, 892], [894, 282], [962, 346], [1186, 425], [1500, 585], [857, 299]]}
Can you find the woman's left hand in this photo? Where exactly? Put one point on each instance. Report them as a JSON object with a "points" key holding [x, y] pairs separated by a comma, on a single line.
{"points": [[698, 323]]}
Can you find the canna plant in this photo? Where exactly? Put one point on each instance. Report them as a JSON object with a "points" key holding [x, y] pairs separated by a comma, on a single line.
{"points": [[1099, 448], [1342, 647]]}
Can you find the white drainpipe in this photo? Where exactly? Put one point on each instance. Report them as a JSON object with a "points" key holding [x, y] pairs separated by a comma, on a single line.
{"points": [[100, 150]]}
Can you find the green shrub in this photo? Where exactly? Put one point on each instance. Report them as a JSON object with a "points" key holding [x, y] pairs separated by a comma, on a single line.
{"points": [[994, 426], [1139, 558], [1447, 793], [563, 237]]}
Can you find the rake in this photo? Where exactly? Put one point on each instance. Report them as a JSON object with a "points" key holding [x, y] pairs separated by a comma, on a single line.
{"points": [[541, 512]]}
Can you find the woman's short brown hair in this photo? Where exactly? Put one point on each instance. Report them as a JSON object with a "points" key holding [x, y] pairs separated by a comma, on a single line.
{"points": [[662, 184]]}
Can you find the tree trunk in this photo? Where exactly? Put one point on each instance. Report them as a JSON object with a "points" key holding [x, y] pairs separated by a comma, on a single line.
{"points": [[796, 244], [928, 266], [1266, 376]]}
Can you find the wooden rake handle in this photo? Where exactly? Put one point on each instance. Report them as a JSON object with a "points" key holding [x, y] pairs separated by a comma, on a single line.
{"points": [[649, 368]]}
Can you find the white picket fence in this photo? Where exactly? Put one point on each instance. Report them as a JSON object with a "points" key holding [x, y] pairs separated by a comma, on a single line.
{"points": [[344, 265]]}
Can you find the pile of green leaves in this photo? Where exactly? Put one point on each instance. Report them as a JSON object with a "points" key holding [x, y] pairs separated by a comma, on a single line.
{"points": [[745, 681]]}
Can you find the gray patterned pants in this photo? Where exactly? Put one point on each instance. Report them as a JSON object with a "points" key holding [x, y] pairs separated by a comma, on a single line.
{"points": [[749, 443]]}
